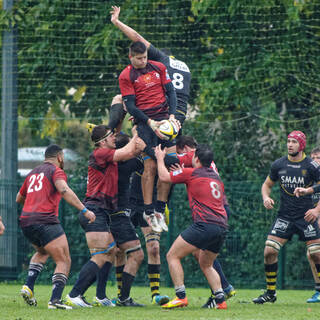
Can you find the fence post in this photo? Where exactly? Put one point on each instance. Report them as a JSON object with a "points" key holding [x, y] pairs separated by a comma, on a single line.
{"points": [[282, 269], [9, 139]]}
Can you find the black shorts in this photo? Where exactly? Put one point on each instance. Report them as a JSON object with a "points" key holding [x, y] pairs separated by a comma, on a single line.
{"points": [[285, 229], [150, 138], [137, 209], [42, 234], [205, 236], [101, 224], [122, 228]]}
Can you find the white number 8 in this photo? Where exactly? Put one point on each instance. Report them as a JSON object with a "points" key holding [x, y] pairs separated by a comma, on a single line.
{"points": [[177, 80], [215, 190]]}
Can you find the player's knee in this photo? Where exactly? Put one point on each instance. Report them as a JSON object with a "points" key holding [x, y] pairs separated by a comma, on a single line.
{"points": [[153, 248], [314, 252], [136, 254]]}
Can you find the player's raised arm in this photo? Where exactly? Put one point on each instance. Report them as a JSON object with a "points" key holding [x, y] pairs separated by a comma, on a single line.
{"points": [[128, 31]]}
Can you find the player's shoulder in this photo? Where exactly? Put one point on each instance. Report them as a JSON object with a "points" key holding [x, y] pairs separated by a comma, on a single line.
{"points": [[312, 163], [280, 161], [157, 64], [178, 65], [125, 72]]}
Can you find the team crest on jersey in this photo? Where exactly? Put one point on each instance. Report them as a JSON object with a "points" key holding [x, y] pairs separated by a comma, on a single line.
{"points": [[147, 78], [304, 172]]}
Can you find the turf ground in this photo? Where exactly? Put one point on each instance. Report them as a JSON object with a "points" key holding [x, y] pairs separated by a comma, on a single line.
{"points": [[290, 305]]}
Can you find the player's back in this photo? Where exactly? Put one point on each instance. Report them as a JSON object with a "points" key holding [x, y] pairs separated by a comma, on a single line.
{"points": [[178, 71], [41, 196]]}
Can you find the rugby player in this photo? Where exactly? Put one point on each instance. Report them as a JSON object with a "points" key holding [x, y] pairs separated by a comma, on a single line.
{"points": [[296, 215], [101, 198], [315, 156], [205, 192], [144, 85], [40, 195]]}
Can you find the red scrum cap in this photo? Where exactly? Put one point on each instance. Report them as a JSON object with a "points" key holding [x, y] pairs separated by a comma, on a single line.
{"points": [[300, 137]]}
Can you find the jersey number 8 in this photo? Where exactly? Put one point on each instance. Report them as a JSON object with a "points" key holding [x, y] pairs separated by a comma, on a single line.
{"points": [[215, 190], [177, 80]]}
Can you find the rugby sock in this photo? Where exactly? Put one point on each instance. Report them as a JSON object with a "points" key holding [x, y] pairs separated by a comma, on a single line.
{"points": [[180, 291], [119, 271], [317, 285], [102, 280], [87, 276], [223, 279], [59, 281], [219, 295], [149, 208], [154, 278], [160, 206], [33, 272], [127, 280], [271, 277]]}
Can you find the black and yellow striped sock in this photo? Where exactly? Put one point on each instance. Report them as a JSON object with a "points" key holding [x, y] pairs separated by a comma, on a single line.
{"points": [[119, 271], [317, 284], [271, 277], [154, 278]]}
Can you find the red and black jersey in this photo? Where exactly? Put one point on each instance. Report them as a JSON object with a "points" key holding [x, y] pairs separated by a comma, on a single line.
{"points": [[102, 188], [205, 192], [147, 84], [42, 199]]}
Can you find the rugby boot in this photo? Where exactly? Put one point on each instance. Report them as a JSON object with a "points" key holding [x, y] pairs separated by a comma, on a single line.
{"points": [[152, 222], [175, 303], [27, 294], [106, 302], [315, 298], [128, 303], [160, 300], [221, 306], [78, 302], [265, 297], [161, 221], [58, 304], [210, 304], [229, 292]]}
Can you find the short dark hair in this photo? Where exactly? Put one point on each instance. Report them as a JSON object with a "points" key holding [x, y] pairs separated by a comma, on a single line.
{"points": [[188, 141], [99, 132], [137, 47], [204, 154], [122, 139], [315, 150], [52, 151]]}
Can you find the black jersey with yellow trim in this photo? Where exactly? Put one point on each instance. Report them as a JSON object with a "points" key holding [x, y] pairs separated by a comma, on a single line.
{"points": [[179, 73], [291, 175]]}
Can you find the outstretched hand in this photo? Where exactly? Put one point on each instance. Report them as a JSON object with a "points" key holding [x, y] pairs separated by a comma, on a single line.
{"points": [[115, 12]]}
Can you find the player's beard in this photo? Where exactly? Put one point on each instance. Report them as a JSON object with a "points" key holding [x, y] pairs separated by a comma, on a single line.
{"points": [[61, 164]]}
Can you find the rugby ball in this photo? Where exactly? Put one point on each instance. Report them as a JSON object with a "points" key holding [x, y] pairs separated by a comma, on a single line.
{"points": [[169, 129]]}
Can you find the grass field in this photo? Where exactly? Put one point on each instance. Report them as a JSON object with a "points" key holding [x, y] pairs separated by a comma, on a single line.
{"points": [[291, 305]]}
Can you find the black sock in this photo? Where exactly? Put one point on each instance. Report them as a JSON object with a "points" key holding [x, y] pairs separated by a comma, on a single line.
{"points": [[217, 267], [102, 280], [181, 292], [271, 277], [33, 273], [160, 206], [219, 296], [86, 278], [149, 208], [127, 280], [59, 281]]}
